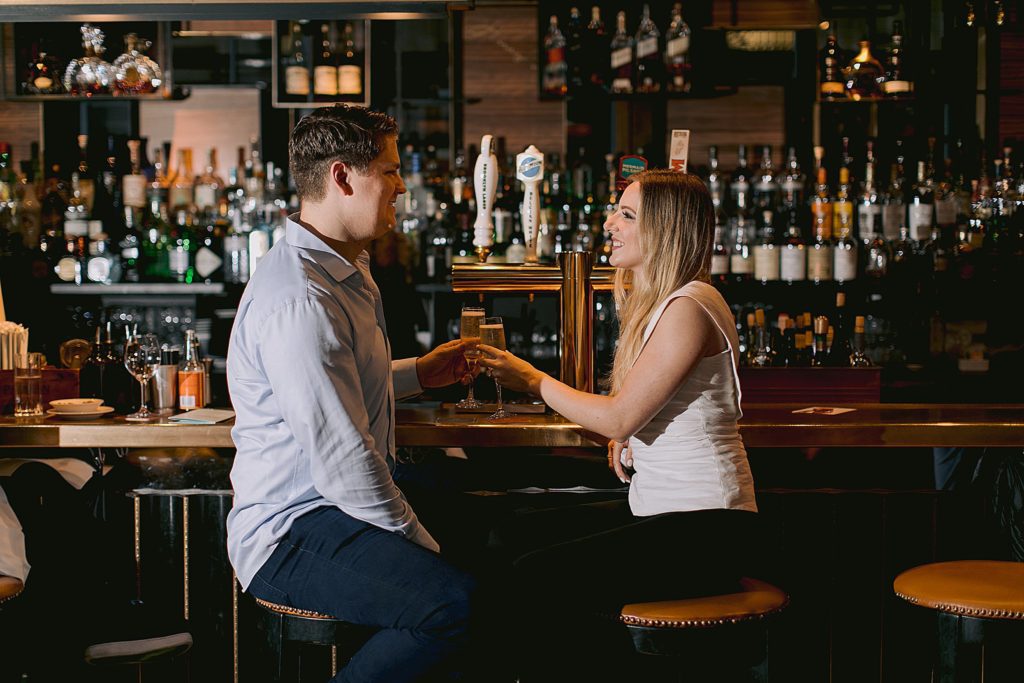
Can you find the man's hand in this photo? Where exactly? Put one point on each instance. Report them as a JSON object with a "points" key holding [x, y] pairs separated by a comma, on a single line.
{"points": [[444, 365]]}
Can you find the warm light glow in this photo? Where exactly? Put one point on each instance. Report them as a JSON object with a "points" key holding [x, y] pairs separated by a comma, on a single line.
{"points": [[824, 26]]}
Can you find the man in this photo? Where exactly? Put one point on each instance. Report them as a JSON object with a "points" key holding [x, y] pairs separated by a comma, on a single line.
{"points": [[318, 522]]}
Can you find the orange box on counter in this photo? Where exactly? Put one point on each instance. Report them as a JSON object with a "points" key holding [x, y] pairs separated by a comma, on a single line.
{"points": [[57, 383]]}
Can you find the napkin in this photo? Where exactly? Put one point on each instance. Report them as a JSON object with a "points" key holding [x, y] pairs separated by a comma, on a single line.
{"points": [[204, 416]]}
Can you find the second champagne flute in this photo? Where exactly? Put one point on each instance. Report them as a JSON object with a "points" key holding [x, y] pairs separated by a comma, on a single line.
{"points": [[141, 358], [492, 333], [470, 332]]}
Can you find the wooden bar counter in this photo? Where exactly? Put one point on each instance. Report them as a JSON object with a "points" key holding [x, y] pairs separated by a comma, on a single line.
{"points": [[763, 425]]}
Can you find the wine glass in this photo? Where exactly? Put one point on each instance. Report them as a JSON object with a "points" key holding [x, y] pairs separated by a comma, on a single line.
{"points": [[141, 358], [470, 332], [492, 333]]}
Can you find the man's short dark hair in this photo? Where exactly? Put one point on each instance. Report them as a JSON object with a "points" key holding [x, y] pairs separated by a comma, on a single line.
{"points": [[351, 135]]}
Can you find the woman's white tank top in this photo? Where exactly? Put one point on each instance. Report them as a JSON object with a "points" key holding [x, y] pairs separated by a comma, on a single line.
{"points": [[690, 455]]}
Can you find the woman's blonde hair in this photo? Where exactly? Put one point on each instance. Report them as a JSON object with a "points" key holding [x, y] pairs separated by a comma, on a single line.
{"points": [[675, 229]]}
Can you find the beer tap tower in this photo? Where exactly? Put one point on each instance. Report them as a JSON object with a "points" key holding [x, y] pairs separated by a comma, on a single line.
{"points": [[574, 277]]}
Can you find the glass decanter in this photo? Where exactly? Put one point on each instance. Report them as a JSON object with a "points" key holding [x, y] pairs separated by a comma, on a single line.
{"points": [[134, 72], [89, 75], [43, 76]]}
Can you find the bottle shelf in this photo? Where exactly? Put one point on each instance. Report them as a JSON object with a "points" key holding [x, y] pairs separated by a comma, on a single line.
{"points": [[177, 95], [138, 288], [869, 100]]}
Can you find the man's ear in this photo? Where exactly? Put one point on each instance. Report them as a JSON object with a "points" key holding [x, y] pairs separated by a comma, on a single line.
{"points": [[338, 176]]}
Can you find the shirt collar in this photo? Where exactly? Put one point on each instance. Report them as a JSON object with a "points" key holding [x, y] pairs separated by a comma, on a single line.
{"points": [[334, 263]]}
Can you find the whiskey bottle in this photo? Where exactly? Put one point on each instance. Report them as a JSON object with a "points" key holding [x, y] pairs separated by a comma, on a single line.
{"points": [[921, 212], [325, 67], [840, 348], [574, 52], [741, 261], [858, 352], [130, 248], [677, 52], [793, 188], [766, 189], [650, 65], [869, 204], [844, 251], [350, 63], [819, 349], [740, 184], [896, 82], [793, 255], [819, 252], [209, 185], [766, 253], [210, 252], [90, 74], [43, 76], [180, 190], [831, 84], [134, 72], [622, 57], [894, 208], [181, 246], [86, 182], [719, 255], [296, 72], [864, 75], [555, 68], [714, 182], [595, 42], [133, 184]]}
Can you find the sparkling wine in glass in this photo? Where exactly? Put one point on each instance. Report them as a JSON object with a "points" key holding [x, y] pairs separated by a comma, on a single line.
{"points": [[492, 333], [141, 358], [470, 332]]}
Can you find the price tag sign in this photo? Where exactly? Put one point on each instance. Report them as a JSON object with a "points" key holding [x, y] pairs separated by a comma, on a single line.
{"points": [[679, 150], [629, 165]]}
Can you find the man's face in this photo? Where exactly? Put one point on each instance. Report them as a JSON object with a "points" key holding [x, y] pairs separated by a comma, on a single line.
{"points": [[370, 210]]}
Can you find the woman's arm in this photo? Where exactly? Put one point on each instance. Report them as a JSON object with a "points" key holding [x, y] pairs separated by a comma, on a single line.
{"points": [[683, 336]]}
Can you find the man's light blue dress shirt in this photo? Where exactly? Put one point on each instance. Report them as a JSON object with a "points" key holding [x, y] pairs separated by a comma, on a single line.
{"points": [[313, 388]]}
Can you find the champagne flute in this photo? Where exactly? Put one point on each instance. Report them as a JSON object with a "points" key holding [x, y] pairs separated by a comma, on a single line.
{"points": [[492, 333], [141, 358], [470, 332]]}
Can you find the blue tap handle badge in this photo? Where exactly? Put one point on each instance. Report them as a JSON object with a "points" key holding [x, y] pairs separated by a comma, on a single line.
{"points": [[629, 165], [529, 168]]}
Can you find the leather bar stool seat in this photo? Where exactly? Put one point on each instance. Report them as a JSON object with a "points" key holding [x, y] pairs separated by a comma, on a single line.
{"points": [[10, 588], [980, 611], [287, 627], [711, 634]]}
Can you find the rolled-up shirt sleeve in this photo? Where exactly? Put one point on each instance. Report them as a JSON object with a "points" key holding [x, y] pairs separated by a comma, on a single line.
{"points": [[406, 381], [309, 361]]}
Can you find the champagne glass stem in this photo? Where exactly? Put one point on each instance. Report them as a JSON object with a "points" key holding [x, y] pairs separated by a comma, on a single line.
{"points": [[500, 404]]}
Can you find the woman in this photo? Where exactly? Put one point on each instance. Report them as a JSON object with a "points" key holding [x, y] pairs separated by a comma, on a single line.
{"points": [[671, 417]]}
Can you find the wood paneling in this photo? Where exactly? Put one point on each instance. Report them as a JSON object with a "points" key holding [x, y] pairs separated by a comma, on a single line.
{"points": [[500, 58], [755, 116], [765, 13], [1011, 80]]}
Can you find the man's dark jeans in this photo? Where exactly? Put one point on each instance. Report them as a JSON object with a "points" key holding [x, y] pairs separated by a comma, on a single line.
{"points": [[332, 563]]}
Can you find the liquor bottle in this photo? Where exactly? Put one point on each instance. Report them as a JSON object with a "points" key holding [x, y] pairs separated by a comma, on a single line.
{"points": [[86, 182], [858, 353], [946, 200], [894, 208], [236, 256], [555, 73], [793, 255], [841, 347], [740, 184], [719, 256], [766, 189], [210, 252], [43, 76], [921, 212], [819, 252], [595, 42], [844, 251], [90, 74], [896, 82], [869, 204], [766, 253], [71, 264], [191, 375], [350, 64], [622, 57], [155, 244], [208, 186], [864, 75], [650, 65], [716, 187], [181, 247], [261, 237], [819, 350], [325, 67], [180, 194], [91, 378], [831, 84], [677, 52], [102, 265], [821, 206], [762, 355], [574, 52], [29, 212], [130, 248], [134, 72], [741, 261], [134, 185], [793, 188], [296, 72]]}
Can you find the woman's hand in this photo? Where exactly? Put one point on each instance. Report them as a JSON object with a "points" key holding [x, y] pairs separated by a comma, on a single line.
{"points": [[615, 459], [509, 371]]}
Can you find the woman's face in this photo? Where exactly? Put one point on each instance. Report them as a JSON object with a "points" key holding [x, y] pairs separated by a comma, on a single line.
{"points": [[621, 227]]}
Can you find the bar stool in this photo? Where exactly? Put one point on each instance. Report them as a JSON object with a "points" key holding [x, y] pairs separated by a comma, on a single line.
{"points": [[980, 606], [286, 624], [10, 588], [709, 635]]}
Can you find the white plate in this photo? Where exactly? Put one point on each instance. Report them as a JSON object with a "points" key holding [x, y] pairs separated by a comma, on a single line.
{"points": [[76, 405], [99, 412]]}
